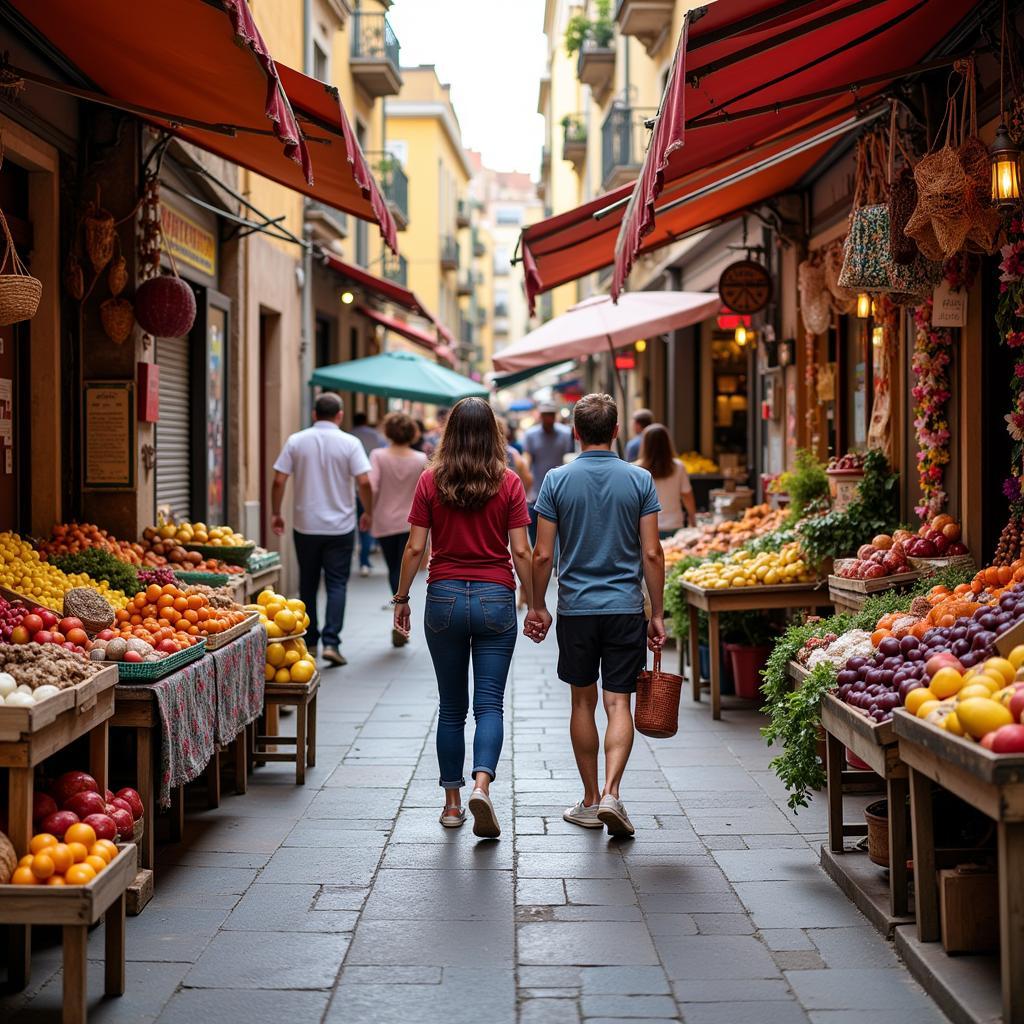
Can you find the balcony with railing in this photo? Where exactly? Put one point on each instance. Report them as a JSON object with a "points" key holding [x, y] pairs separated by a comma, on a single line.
{"points": [[449, 253], [395, 268], [394, 183], [375, 57], [500, 310], [479, 248], [574, 139], [463, 213], [624, 139], [326, 223], [595, 66], [464, 282], [646, 20]]}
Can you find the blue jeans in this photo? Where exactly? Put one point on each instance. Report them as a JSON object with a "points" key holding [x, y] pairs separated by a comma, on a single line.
{"points": [[329, 555], [365, 540], [467, 619]]}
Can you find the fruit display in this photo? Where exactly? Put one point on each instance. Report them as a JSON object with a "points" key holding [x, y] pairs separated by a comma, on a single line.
{"points": [[168, 618], [938, 538], [98, 565], [743, 569], [289, 662], [23, 571], [24, 625], [883, 557], [724, 537], [76, 858], [73, 538], [75, 799], [37, 665], [20, 695], [851, 462], [694, 462], [282, 616], [836, 649]]}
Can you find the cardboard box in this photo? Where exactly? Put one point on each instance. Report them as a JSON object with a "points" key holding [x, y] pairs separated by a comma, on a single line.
{"points": [[969, 909]]}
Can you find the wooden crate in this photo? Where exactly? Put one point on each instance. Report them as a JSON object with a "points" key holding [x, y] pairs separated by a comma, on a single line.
{"points": [[18, 724], [873, 586], [218, 640]]}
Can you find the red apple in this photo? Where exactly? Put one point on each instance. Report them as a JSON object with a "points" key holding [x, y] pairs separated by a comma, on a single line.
{"points": [[124, 822], [71, 783], [43, 806], [105, 634], [117, 802], [132, 656], [44, 636], [57, 637], [988, 739], [32, 622], [1008, 739], [77, 635], [168, 646], [85, 803], [103, 825], [69, 623], [941, 544], [58, 823], [1016, 705], [108, 795], [957, 549], [49, 619], [942, 660], [134, 801], [20, 635]]}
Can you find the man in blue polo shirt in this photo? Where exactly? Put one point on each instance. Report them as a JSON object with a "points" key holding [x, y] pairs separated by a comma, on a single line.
{"points": [[604, 513]]}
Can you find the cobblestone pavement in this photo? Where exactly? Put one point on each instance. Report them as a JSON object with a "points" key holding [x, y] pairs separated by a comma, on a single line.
{"points": [[345, 901]]}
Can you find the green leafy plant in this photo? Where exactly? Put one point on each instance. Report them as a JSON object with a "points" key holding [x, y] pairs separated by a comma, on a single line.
{"points": [[806, 484], [580, 30], [100, 565]]}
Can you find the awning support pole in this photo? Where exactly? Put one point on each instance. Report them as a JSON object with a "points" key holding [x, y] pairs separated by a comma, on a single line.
{"points": [[616, 375]]}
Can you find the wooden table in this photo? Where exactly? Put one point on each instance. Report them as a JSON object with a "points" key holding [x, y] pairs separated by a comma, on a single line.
{"points": [[876, 745], [261, 579], [88, 715], [735, 599], [74, 908], [301, 696], [994, 784]]}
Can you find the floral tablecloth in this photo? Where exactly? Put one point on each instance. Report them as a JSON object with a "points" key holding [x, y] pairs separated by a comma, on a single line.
{"points": [[238, 671]]}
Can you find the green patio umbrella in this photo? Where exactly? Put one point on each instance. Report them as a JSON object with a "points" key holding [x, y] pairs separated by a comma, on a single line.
{"points": [[399, 375]]}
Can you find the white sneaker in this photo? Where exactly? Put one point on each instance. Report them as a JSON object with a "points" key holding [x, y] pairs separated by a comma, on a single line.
{"points": [[364, 570], [612, 813], [580, 814], [485, 821]]}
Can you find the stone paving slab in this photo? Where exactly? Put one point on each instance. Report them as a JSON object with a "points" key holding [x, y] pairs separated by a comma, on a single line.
{"points": [[345, 901]]}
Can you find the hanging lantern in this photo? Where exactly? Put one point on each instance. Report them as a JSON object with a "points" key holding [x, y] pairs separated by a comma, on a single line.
{"points": [[347, 298], [863, 306], [640, 346], [1005, 159], [878, 337], [740, 335], [165, 306]]}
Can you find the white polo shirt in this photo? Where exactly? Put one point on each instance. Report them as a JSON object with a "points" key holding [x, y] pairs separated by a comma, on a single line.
{"points": [[324, 462]]}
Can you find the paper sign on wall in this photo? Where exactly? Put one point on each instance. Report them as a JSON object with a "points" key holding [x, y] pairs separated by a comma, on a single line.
{"points": [[949, 307], [6, 410]]}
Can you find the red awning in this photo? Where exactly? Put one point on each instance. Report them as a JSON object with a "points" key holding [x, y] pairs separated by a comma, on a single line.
{"points": [[414, 334], [379, 286], [201, 69], [751, 72]]}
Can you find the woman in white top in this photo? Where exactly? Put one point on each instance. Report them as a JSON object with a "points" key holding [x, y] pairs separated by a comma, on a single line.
{"points": [[671, 480], [394, 473]]}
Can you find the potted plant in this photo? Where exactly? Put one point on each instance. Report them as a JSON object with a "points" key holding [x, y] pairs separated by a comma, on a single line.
{"points": [[748, 640]]}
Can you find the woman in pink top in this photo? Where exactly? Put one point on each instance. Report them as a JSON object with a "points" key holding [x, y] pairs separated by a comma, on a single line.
{"points": [[394, 473]]}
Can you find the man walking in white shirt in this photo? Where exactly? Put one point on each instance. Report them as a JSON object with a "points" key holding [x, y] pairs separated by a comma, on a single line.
{"points": [[328, 466]]}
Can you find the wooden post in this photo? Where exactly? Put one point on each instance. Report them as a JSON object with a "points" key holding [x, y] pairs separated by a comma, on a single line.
{"points": [[242, 761], [301, 710], [114, 947], [898, 875], [76, 937], [926, 895], [213, 779], [715, 643], [144, 779], [1011, 918], [694, 651], [311, 733], [834, 769]]}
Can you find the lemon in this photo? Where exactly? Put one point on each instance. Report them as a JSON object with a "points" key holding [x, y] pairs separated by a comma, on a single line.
{"points": [[274, 631], [290, 657], [275, 655], [295, 605], [1016, 656], [916, 698], [282, 675], [925, 708], [265, 597], [946, 682], [268, 672], [981, 715], [974, 690], [952, 724], [302, 672], [285, 618], [1000, 666]]}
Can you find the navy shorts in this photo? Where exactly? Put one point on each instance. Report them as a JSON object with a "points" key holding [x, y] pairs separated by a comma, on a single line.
{"points": [[613, 647]]}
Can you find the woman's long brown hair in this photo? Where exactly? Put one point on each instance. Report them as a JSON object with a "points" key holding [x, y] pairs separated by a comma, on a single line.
{"points": [[472, 456], [657, 455]]}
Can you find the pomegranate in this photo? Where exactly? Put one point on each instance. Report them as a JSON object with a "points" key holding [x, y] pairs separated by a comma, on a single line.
{"points": [[103, 825], [58, 823], [85, 803], [134, 801], [123, 821], [43, 806], [71, 783]]}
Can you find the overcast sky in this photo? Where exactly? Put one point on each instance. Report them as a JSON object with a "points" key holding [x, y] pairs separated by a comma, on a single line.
{"points": [[492, 54]]}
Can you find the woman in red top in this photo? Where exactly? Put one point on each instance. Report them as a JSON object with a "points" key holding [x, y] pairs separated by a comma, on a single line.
{"points": [[474, 507]]}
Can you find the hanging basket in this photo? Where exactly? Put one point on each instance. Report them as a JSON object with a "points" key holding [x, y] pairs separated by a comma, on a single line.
{"points": [[843, 299], [657, 701], [165, 306], [117, 276], [100, 233], [20, 292], [815, 307], [74, 279], [118, 318]]}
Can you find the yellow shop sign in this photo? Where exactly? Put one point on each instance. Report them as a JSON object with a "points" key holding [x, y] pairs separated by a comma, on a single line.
{"points": [[189, 242]]}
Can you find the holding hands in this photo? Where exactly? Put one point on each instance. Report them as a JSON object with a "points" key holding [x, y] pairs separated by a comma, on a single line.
{"points": [[537, 624]]}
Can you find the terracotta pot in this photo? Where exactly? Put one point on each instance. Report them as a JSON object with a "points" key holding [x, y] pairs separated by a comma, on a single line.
{"points": [[747, 663]]}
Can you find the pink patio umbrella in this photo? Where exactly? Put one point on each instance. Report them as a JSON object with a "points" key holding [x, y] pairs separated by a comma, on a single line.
{"points": [[598, 325]]}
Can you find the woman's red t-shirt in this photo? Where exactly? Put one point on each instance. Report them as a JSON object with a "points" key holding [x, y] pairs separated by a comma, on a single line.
{"points": [[470, 544]]}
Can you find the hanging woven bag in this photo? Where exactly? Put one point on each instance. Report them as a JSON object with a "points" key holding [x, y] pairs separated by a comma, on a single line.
{"points": [[100, 233], [657, 701], [20, 292], [815, 307], [902, 199], [866, 248], [843, 299]]}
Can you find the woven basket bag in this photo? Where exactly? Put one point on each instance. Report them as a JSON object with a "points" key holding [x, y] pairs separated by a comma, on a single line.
{"points": [[657, 701], [20, 292]]}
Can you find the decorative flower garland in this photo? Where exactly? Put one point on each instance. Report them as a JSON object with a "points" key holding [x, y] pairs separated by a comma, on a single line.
{"points": [[930, 365], [1010, 321], [811, 384]]}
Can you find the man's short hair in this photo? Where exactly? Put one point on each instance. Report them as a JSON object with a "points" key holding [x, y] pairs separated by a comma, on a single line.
{"points": [[359, 419], [327, 406], [643, 417], [400, 428], [595, 418]]}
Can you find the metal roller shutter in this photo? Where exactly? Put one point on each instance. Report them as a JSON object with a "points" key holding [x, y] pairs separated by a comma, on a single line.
{"points": [[173, 434]]}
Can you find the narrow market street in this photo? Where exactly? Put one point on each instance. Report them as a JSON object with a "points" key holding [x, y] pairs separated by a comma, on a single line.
{"points": [[346, 901]]}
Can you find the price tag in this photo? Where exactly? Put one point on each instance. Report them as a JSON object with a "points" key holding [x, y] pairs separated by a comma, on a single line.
{"points": [[949, 307]]}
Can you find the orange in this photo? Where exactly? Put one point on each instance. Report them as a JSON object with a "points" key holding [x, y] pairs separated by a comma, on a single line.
{"points": [[80, 833], [56, 880], [916, 698], [42, 866], [108, 846], [26, 861], [96, 862], [79, 874], [164, 601], [878, 636], [61, 857], [992, 576], [153, 592], [192, 615], [1005, 575], [79, 851], [946, 682], [24, 876], [195, 602], [100, 851], [169, 588], [41, 842], [180, 604]]}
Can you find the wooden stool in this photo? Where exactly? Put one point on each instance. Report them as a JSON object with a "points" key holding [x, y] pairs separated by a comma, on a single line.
{"points": [[301, 696], [75, 908]]}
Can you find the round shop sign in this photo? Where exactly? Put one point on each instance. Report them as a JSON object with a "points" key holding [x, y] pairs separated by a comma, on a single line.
{"points": [[745, 287]]}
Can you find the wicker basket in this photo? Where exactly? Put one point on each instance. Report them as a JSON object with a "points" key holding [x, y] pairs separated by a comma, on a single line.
{"points": [[20, 292], [100, 233], [657, 701], [877, 817], [118, 319], [92, 623]]}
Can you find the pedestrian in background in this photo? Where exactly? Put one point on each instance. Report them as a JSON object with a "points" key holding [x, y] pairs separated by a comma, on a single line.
{"points": [[474, 508], [371, 440], [604, 513], [642, 419], [545, 447], [420, 444], [671, 480], [394, 472], [432, 438], [328, 465]]}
